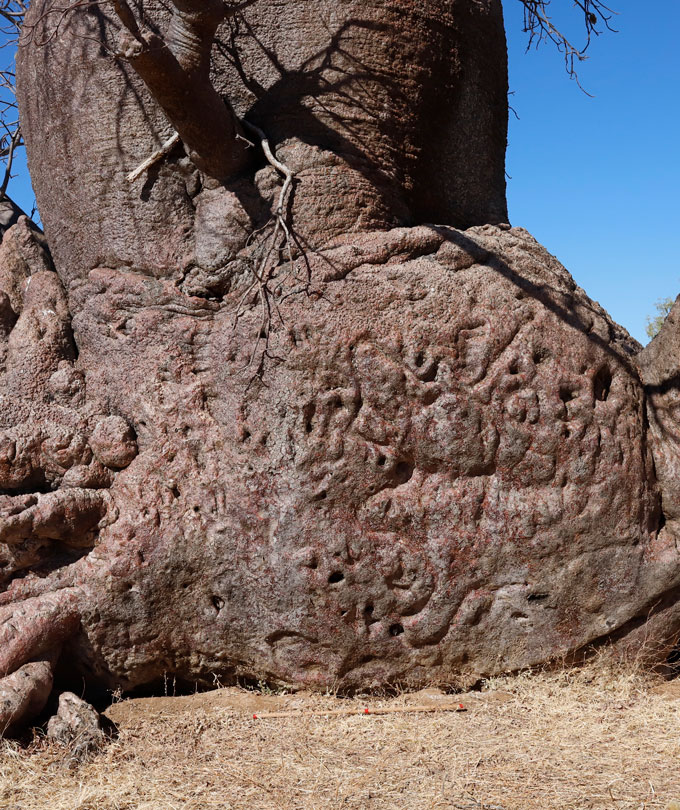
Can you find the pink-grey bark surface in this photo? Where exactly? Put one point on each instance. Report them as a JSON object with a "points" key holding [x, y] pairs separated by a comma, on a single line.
{"points": [[436, 460]]}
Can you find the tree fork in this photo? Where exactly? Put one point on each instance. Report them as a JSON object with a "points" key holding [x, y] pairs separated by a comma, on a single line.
{"points": [[176, 71]]}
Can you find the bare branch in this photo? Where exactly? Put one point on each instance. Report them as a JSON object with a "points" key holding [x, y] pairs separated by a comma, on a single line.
{"points": [[176, 70], [165, 149], [12, 13], [278, 165], [540, 26], [14, 141], [273, 268], [175, 67]]}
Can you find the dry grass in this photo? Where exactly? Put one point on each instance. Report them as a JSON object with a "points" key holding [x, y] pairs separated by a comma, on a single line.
{"points": [[594, 738]]}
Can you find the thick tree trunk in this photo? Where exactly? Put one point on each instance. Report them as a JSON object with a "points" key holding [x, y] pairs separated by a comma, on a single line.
{"points": [[176, 71], [390, 114], [338, 445]]}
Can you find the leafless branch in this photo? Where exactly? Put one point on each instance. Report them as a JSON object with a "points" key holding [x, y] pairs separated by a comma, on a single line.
{"points": [[14, 141], [165, 149], [274, 266], [11, 19], [176, 70], [540, 26]]}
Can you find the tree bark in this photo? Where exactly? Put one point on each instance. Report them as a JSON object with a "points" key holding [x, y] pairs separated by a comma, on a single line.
{"points": [[176, 71], [388, 114], [374, 435]]}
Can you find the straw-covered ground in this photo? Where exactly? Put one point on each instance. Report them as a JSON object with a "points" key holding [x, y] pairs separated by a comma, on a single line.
{"points": [[591, 738]]}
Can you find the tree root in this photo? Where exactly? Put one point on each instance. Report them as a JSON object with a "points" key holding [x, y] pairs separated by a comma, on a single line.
{"points": [[24, 693], [30, 628], [67, 515], [31, 636]]}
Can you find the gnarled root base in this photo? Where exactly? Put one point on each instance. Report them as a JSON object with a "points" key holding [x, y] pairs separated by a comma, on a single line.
{"points": [[58, 457], [24, 693], [31, 636], [443, 474]]}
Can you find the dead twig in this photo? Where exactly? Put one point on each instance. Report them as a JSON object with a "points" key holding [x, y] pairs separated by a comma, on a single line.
{"points": [[165, 149], [14, 141], [277, 164], [540, 26], [265, 268], [447, 707]]}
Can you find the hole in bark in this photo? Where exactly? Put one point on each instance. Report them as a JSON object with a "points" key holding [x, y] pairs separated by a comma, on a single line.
{"points": [[335, 577], [403, 472], [420, 359], [368, 610], [246, 435], [602, 383], [218, 603], [567, 394], [537, 597], [431, 395], [513, 368], [366, 659], [396, 629], [673, 660], [175, 491], [196, 509], [397, 575], [313, 564], [539, 355], [309, 412], [431, 374], [321, 496], [381, 460]]}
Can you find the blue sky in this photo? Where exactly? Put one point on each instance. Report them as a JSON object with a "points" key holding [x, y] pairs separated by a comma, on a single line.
{"points": [[596, 180]]}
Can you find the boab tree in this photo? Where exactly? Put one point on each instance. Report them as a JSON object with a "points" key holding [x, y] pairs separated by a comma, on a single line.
{"points": [[295, 401]]}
